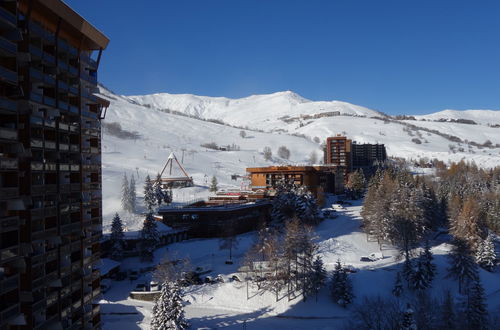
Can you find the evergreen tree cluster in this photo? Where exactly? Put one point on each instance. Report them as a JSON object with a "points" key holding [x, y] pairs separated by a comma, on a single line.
{"points": [[294, 202]]}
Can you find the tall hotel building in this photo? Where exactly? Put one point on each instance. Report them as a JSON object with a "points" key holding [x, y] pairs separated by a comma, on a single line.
{"points": [[50, 167]]}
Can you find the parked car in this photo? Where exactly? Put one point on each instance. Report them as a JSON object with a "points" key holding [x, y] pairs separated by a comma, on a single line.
{"points": [[208, 280], [337, 207], [235, 278], [154, 286], [219, 279], [372, 257]]}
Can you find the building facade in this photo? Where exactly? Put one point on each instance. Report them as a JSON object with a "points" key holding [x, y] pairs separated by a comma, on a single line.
{"points": [[347, 155], [316, 179], [50, 167]]}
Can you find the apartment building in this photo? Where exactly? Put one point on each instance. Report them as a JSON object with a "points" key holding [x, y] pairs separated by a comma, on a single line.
{"points": [[50, 167]]}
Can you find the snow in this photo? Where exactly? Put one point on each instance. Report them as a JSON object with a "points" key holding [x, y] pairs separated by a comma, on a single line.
{"points": [[484, 117], [163, 133], [225, 305]]}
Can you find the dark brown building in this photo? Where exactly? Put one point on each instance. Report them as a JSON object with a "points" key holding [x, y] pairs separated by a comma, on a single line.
{"points": [[50, 167]]}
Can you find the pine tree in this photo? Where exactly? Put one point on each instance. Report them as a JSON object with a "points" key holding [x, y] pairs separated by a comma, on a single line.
{"points": [[213, 184], [149, 196], [132, 194], [426, 259], [125, 198], [116, 238], [397, 291], [407, 271], [159, 194], [408, 319], [462, 265], [318, 276], [476, 313], [168, 311], [486, 255], [419, 280], [341, 288], [447, 317], [149, 237]]}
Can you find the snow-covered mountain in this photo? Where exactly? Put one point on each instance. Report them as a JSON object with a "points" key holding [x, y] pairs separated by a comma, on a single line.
{"points": [[282, 118], [484, 117]]}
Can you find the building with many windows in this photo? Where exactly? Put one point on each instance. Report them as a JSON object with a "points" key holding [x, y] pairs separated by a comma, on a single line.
{"points": [[50, 167]]}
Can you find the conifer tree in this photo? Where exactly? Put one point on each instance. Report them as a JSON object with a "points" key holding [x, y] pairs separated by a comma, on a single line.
{"points": [[149, 237], [486, 256], [398, 286], [318, 276], [149, 196], [470, 223], [341, 288], [462, 265], [168, 311], [132, 194], [125, 198], [419, 280], [408, 319], [159, 194], [447, 317], [426, 259], [407, 271], [116, 238], [476, 313], [213, 184]]}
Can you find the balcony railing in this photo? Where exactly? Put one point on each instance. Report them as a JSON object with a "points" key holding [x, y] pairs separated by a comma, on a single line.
{"points": [[8, 75], [8, 192], [8, 163], [8, 46], [8, 16], [7, 104], [8, 133]]}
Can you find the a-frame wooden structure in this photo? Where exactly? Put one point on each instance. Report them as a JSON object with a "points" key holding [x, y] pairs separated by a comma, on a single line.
{"points": [[174, 182]]}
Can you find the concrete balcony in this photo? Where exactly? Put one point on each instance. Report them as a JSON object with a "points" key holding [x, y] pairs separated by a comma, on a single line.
{"points": [[8, 134], [8, 75], [8, 105], [7, 47], [8, 163]]}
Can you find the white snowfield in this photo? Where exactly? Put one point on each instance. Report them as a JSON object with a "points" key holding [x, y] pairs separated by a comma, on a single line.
{"points": [[225, 305], [162, 133]]}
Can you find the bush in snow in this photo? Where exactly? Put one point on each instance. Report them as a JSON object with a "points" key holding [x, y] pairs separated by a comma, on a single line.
{"points": [[168, 311], [283, 152]]}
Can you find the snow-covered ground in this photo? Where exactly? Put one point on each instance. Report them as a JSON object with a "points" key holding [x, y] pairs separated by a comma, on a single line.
{"points": [[162, 133], [225, 305]]}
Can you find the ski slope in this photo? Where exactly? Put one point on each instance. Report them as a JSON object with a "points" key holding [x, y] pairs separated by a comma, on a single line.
{"points": [[162, 133]]}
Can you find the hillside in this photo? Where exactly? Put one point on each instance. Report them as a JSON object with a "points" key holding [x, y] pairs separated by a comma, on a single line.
{"points": [[159, 133]]}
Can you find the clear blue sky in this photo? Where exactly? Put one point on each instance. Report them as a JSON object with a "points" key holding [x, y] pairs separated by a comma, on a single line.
{"points": [[396, 56]]}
